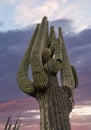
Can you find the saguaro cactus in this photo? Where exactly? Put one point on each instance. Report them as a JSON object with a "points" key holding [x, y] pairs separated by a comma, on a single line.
{"points": [[46, 56], [8, 124], [16, 126]]}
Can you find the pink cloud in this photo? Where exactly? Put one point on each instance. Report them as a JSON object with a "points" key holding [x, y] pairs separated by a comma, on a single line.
{"points": [[17, 105], [20, 107], [80, 127]]}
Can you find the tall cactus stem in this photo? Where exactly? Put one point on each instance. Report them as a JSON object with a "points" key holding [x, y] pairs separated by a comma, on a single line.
{"points": [[7, 123], [52, 39], [22, 76], [67, 78], [39, 76]]}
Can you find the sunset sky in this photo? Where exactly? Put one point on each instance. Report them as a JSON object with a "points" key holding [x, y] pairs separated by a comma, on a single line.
{"points": [[18, 19]]}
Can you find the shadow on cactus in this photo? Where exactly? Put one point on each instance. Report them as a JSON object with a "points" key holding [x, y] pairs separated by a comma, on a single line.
{"points": [[47, 56]]}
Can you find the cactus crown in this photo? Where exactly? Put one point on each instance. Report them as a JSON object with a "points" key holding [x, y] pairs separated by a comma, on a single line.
{"points": [[44, 58]]}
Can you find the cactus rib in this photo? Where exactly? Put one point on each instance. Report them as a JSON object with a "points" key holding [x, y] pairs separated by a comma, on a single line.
{"points": [[67, 78], [22, 76], [75, 76], [39, 76]]}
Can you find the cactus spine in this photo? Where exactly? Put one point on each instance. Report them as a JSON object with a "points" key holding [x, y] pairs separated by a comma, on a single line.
{"points": [[47, 56]]}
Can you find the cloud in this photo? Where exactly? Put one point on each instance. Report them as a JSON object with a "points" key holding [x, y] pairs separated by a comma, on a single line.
{"points": [[32, 126], [2, 126], [10, 2], [32, 12], [25, 118], [81, 111], [34, 117], [16, 105], [79, 45], [13, 45], [20, 107], [1, 23], [25, 11], [32, 111], [81, 116], [78, 16]]}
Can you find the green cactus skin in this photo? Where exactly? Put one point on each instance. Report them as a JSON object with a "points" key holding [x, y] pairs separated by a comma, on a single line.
{"points": [[69, 78], [22, 76], [52, 40], [52, 66], [55, 107], [47, 56], [39, 76], [66, 72], [75, 76], [46, 36], [58, 50]]}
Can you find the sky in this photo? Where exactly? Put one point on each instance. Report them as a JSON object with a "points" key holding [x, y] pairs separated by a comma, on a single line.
{"points": [[18, 19]]}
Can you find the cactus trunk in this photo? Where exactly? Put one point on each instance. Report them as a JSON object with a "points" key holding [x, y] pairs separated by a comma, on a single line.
{"points": [[54, 107]]}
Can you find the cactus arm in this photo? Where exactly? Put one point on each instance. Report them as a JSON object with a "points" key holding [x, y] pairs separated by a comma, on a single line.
{"points": [[22, 76], [75, 75], [46, 37], [52, 40], [56, 50], [54, 64], [57, 60], [39, 75], [67, 78], [55, 43], [52, 34]]}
